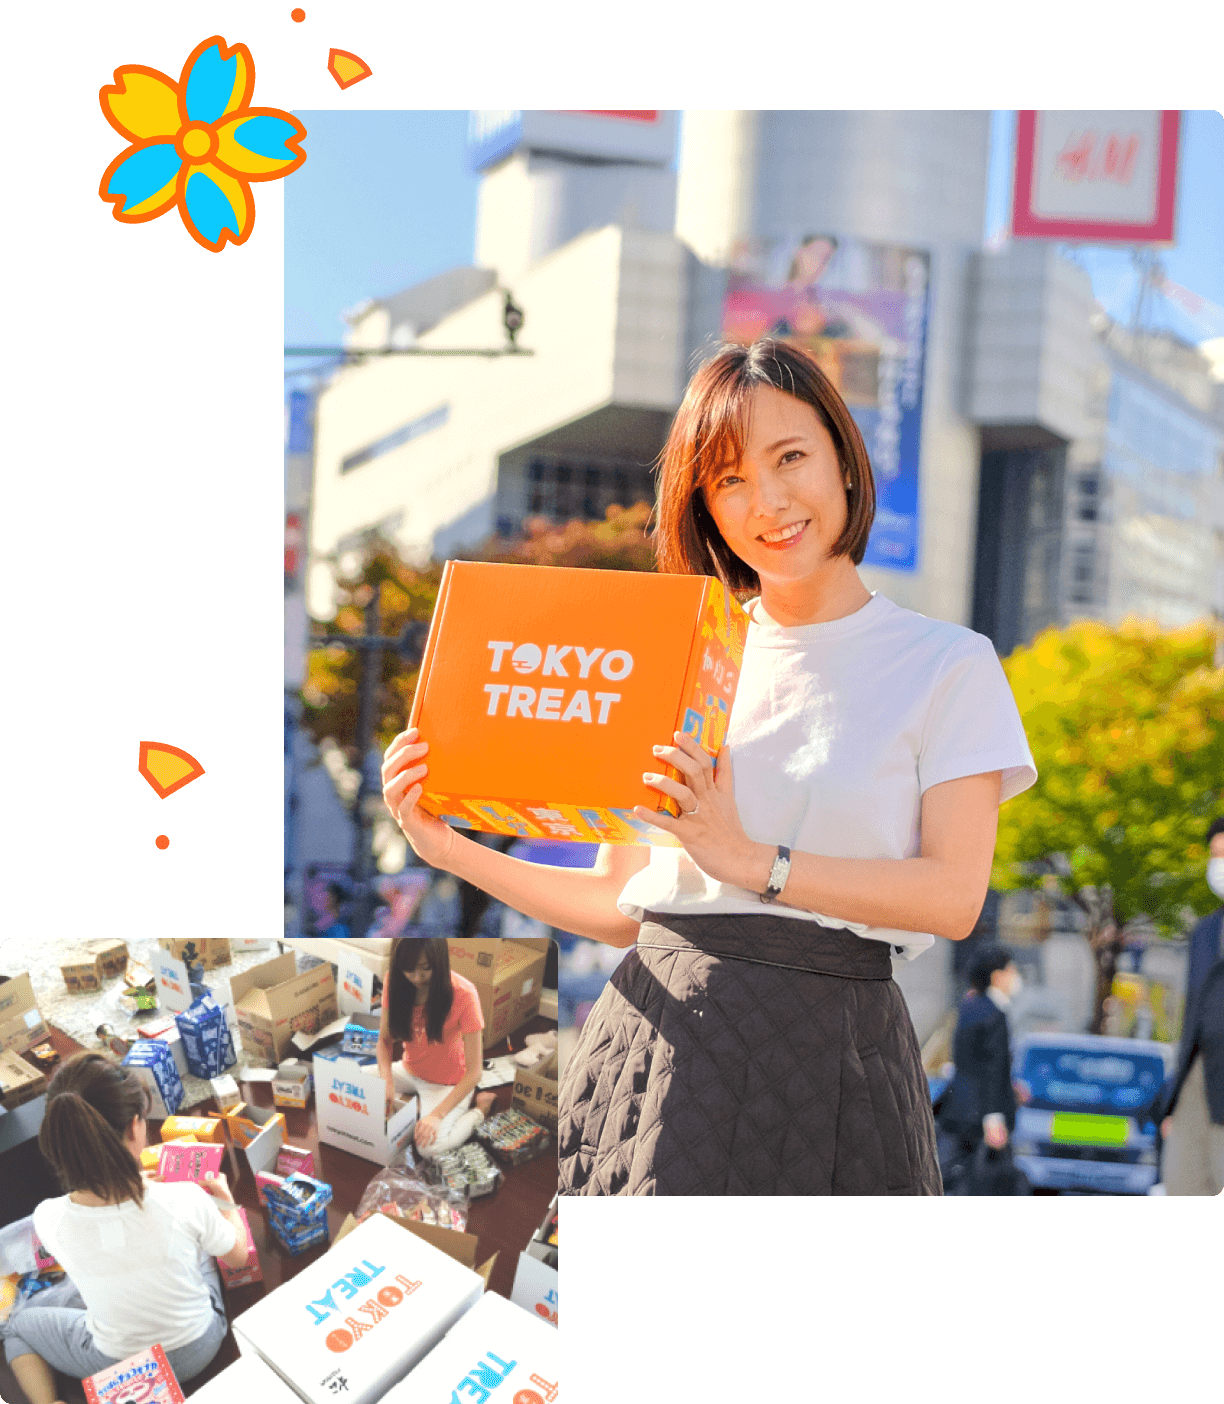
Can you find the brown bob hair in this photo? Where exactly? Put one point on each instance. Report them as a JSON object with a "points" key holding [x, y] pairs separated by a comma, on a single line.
{"points": [[710, 430], [91, 1104]]}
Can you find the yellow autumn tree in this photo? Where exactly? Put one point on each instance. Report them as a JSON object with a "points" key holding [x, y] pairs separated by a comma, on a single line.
{"points": [[1126, 726]]}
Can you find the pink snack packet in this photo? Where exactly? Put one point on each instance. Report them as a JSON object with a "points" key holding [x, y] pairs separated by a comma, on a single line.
{"points": [[140, 1379], [291, 1159], [240, 1277], [179, 1162]]}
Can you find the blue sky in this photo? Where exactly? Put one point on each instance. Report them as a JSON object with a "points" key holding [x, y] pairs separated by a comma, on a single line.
{"points": [[386, 200]]}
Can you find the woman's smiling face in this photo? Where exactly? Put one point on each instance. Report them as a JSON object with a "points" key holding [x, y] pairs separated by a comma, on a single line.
{"points": [[783, 506]]}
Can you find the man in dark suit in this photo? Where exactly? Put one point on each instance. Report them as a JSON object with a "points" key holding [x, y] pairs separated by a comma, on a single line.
{"points": [[980, 1103], [1194, 1110]]}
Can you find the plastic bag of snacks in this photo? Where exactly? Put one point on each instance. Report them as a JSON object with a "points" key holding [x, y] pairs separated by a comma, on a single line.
{"points": [[512, 1137], [468, 1168], [398, 1190]]}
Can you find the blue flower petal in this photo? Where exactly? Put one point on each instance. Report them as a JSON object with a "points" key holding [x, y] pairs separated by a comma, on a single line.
{"points": [[143, 178], [211, 84], [209, 209], [266, 136]]}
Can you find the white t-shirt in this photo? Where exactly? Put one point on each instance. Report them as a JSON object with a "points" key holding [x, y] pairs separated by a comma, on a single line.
{"points": [[138, 1267], [836, 732]]}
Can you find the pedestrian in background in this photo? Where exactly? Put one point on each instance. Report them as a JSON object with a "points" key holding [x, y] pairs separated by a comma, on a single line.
{"points": [[1194, 1110], [979, 1108]]}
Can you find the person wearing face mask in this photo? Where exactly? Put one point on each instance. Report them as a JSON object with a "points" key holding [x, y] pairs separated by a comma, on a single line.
{"points": [[1193, 1125], [979, 1106]]}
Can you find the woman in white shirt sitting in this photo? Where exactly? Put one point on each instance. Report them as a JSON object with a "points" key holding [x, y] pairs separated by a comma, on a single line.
{"points": [[139, 1252], [765, 1049]]}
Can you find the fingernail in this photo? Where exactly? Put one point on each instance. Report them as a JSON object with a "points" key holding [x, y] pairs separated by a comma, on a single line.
{"points": [[658, 750]]}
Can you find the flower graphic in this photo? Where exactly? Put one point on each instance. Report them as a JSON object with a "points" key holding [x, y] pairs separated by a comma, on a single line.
{"points": [[196, 144]]}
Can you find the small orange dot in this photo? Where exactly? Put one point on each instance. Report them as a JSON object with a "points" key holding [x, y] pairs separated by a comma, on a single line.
{"points": [[162, 841], [297, 16]]}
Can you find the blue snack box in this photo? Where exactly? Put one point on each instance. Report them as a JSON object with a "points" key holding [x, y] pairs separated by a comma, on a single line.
{"points": [[360, 1040], [297, 1212], [153, 1062], [207, 1043]]}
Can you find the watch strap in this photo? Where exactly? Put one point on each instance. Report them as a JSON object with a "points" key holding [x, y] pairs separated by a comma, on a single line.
{"points": [[778, 874]]}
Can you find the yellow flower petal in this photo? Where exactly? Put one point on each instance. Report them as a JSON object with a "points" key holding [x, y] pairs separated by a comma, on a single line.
{"points": [[141, 103]]}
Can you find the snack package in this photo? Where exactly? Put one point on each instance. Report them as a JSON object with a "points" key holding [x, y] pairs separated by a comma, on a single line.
{"points": [[397, 1190], [140, 1379], [291, 1158], [297, 1211], [252, 1272], [468, 1169], [512, 1137], [180, 1162]]}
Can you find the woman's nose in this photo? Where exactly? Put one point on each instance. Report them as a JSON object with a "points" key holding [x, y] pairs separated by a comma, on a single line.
{"points": [[769, 495]]}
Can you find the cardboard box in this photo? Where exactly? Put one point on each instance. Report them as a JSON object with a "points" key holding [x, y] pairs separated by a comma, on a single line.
{"points": [[82, 971], [543, 689], [356, 1321], [225, 1092], [259, 1132], [292, 1084], [248, 1378], [359, 986], [535, 1287], [210, 951], [146, 1377], [495, 1345], [112, 954], [453, 1242], [535, 1092], [273, 1002], [19, 1082], [508, 975], [21, 1025], [172, 981], [351, 1105], [199, 1128]]}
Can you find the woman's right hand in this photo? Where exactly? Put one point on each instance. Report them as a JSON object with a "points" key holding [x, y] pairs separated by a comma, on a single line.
{"points": [[402, 773], [216, 1185]]}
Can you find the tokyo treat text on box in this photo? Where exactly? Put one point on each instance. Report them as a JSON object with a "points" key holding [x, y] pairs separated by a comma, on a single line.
{"points": [[543, 690]]}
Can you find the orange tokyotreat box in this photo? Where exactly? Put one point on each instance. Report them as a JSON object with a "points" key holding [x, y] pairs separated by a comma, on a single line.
{"points": [[543, 689]]}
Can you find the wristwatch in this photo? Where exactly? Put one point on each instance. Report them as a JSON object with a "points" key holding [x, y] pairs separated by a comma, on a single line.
{"points": [[777, 875]]}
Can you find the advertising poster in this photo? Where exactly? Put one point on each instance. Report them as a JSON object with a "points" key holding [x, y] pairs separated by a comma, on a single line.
{"points": [[861, 309]]}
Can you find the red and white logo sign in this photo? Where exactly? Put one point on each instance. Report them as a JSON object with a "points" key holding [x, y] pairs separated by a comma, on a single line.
{"points": [[1104, 177]]}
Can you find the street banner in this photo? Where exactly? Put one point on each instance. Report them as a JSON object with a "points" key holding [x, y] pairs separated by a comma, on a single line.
{"points": [[861, 309]]}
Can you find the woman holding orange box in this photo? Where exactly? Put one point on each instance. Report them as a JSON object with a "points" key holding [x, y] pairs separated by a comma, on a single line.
{"points": [[755, 1041]]}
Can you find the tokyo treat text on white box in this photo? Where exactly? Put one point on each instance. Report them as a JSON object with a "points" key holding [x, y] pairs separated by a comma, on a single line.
{"points": [[353, 1323]]}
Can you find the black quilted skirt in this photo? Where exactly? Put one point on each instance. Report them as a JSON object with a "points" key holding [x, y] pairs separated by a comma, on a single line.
{"points": [[748, 1055]]}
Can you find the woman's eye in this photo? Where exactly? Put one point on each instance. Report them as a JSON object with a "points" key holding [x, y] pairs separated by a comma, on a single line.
{"points": [[792, 456]]}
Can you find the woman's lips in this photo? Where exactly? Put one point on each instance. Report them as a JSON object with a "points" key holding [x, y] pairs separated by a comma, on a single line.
{"points": [[787, 542]]}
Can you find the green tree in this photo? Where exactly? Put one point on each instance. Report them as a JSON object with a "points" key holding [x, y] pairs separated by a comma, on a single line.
{"points": [[1126, 727]]}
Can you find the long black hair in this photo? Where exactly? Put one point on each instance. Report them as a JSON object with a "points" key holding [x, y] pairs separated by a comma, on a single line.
{"points": [[407, 953], [91, 1104]]}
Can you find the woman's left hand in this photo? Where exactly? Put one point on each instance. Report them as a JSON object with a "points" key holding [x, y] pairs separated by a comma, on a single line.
{"points": [[426, 1132], [709, 824]]}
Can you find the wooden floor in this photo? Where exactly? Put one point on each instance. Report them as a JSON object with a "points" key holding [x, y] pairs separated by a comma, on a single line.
{"points": [[503, 1222]]}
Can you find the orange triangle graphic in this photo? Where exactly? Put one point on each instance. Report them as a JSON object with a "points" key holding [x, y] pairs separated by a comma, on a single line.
{"points": [[167, 768], [347, 68]]}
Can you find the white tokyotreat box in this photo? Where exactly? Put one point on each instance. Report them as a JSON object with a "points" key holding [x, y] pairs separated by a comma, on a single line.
{"points": [[496, 1352], [351, 1108], [355, 1322], [248, 1378]]}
